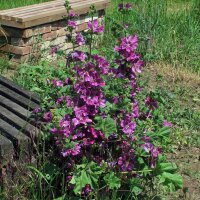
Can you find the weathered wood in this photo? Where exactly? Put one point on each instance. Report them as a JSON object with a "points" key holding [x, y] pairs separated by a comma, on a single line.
{"points": [[6, 147], [17, 98], [18, 123], [45, 13], [20, 141], [25, 93], [14, 107]]}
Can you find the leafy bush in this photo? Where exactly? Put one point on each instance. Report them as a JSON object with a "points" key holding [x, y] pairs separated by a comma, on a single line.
{"points": [[105, 136]]}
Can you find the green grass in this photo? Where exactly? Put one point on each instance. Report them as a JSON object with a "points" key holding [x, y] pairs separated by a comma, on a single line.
{"points": [[169, 30], [7, 4]]}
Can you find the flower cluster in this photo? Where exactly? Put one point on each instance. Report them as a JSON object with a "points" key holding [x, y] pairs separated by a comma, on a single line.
{"points": [[99, 124], [127, 6]]}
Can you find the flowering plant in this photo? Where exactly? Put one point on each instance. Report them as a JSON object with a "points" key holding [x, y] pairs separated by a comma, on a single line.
{"points": [[98, 121]]}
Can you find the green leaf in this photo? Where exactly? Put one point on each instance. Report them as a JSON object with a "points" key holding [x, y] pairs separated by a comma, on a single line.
{"points": [[86, 174], [168, 179], [107, 125], [80, 182], [167, 167], [136, 190], [112, 181]]}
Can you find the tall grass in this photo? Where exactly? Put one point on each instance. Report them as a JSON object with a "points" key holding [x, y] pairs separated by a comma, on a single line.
{"points": [[169, 30], [7, 4]]}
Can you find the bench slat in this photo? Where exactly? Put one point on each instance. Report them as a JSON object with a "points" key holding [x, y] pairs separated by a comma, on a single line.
{"points": [[78, 8], [17, 137], [17, 98], [6, 147], [18, 123], [25, 93], [53, 11], [15, 108], [47, 8], [36, 7], [12, 10]]}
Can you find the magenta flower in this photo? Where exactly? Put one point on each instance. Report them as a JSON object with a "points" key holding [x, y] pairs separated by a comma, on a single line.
{"points": [[167, 124], [151, 103], [72, 24], [71, 14], [86, 190], [128, 6], [126, 26], [54, 130], [48, 116], [120, 6], [81, 116], [79, 55], [102, 63], [57, 83], [37, 110], [80, 39], [76, 151], [135, 113], [128, 126], [95, 27]]}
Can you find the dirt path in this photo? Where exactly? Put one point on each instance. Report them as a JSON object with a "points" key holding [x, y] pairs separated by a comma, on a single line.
{"points": [[186, 86]]}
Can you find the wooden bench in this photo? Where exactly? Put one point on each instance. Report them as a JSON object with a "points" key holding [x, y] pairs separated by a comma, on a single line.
{"points": [[33, 15], [46, 20], [17, 127]]}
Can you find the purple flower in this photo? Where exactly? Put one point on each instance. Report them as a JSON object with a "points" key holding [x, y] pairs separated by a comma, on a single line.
{"points": [[80, 39], [126, 26], [128, 6], [135, 113], [86, 190], [71, 14], [72, 24], [76, 151], [151, 103], [54, 50], [48, 116], [136, 68], [54, 130], [95, 27], [102, 63], [81, 116], [57, 83], [128, 126], [78, 55], [37, 110], [167, 124], [154, 155], [66, 153], [60, 100], [120, 6]]}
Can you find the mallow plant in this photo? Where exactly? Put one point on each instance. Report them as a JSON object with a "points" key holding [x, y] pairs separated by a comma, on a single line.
{"points": [[107, 140]]}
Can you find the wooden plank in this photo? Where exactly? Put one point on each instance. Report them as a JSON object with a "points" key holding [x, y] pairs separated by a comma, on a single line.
{"points": [[16, 15], [12, 15], [47, 19], [6, 147], [77, 8], [26, 9], [25, 93], [8, 11], [17, 98], [26, 13], [15, 108], [19, 139], [53, 11], [18, 123]]}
